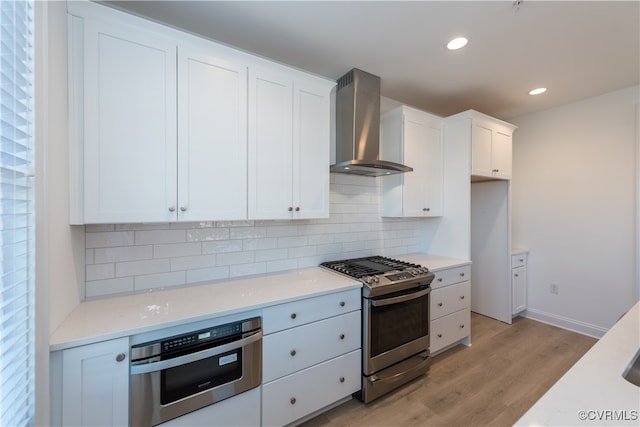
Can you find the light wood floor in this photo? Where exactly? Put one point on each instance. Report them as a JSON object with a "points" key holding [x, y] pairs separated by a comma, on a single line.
{"points": [[492, 383]]}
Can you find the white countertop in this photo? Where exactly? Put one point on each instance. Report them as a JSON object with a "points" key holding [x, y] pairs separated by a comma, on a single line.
{"points": [[120, 316], [595, 385], [516, 251], [434, 262], [115, 317]]}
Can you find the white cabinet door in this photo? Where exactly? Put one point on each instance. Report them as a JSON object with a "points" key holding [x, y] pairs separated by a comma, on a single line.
{"points": [[501, 155], [311, 122], [519, 289], [481, 150], [414, 138], [270, 145], [95, 384], [129, 125], [212, 137]]}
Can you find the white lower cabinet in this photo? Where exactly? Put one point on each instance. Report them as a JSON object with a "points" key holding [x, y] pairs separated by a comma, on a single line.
{"points": [[304, 392], [518, 282], [311, 355], [449, 310], [240, 410], [95, 384]]}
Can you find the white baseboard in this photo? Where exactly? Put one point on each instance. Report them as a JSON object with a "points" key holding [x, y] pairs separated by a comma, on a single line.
{"points": [[565, 323]]}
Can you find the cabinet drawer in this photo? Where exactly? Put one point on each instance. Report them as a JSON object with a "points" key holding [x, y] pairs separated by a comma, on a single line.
{"points": [[518, 260], [450, 276], [294, 349], [301, 312], [449, 329], [292, 397], [449, 299]]}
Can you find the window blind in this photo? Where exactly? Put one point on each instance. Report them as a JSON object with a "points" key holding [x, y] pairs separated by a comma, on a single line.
{"points": [[17, 225]]}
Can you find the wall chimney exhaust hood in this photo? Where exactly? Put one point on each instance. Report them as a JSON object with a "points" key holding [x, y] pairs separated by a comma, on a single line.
{"points": [[358, 127]]}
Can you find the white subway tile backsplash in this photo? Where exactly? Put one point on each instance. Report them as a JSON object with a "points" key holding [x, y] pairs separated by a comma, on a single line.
{"points": [[141, 257], [109, 239], [135, 268], [177, 250], [153, 237], [221, 246], [159, 281]]}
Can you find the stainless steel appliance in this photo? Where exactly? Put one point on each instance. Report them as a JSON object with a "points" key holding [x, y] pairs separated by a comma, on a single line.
{"points": [[358, 127], [395, 319], [173, 376]]}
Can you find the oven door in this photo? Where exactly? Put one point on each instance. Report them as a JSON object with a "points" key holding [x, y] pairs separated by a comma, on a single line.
{"points": [[396, 327], [168, 388]]}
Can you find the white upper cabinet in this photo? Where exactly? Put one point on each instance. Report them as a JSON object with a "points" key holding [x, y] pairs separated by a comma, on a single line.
{"points": [[212, 137], [126, 126], [414, 138], [288, 146], [491, 145], [166, 127]]}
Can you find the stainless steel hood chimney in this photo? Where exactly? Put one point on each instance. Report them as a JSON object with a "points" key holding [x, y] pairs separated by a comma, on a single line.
{"points": [[358, 127]]}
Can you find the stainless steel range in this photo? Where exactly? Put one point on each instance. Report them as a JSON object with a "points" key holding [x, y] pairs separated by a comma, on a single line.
{"points": [[395, 321]]}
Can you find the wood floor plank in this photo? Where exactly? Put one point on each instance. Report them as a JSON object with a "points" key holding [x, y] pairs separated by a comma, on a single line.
{"points": [[491, 383]]}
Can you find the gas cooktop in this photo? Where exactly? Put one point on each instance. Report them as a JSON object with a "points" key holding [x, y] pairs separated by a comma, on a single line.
{"points": [[381, 275]]}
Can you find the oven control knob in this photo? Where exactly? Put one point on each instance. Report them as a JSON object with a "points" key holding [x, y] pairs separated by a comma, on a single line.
{"points": [[376, 279], [368, 280]]}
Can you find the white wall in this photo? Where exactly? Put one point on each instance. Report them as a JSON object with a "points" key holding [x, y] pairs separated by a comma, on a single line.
{"points": [[574, 207]]}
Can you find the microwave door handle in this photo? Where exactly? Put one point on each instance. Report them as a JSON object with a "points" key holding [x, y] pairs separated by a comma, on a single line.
{"points": [[402, 298], [193, 357]]}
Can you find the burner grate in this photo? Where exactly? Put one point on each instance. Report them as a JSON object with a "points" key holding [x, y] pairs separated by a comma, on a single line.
{"points": [[367, 266]]}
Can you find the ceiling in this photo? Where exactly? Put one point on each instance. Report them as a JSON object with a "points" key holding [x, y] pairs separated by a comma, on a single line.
{"points": [[577, 49]]}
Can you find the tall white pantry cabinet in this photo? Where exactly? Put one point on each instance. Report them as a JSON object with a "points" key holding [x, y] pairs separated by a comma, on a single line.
{"points": [[169, 127]]}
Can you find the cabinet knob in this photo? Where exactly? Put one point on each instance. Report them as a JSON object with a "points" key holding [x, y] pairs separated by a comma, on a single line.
{"points": [[183, 208], [439, 335], [439, 304], [120, 357], [292, 353], [293, 315], [290, 208], [342, 303], [293, 400], [426, 209], [172, 208], [461, 274], [341, 336], [462, 297], [516, 274], [521, 260], [297, 208], [341, 379], [439, 279], [461, 326]]}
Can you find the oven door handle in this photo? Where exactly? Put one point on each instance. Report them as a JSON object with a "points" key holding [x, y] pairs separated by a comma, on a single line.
{"points": [[194, 357], [401, 298]]}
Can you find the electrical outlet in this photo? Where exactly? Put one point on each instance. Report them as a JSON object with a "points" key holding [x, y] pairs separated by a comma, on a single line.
{"points": [[553, 288]]}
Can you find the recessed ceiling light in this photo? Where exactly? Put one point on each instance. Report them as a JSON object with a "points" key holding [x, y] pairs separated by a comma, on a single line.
{"points": [[538, 91], [457, 43]]}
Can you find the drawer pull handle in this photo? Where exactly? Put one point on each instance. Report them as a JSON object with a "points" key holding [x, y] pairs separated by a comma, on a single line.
{"points": [[120, 357], [439, 335], [439, 304], [461, 326], [292, 353], [521, 260], [293, 400], [342, 303], [293, 315], [461, 274], [341, 336], [341, 379]]}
